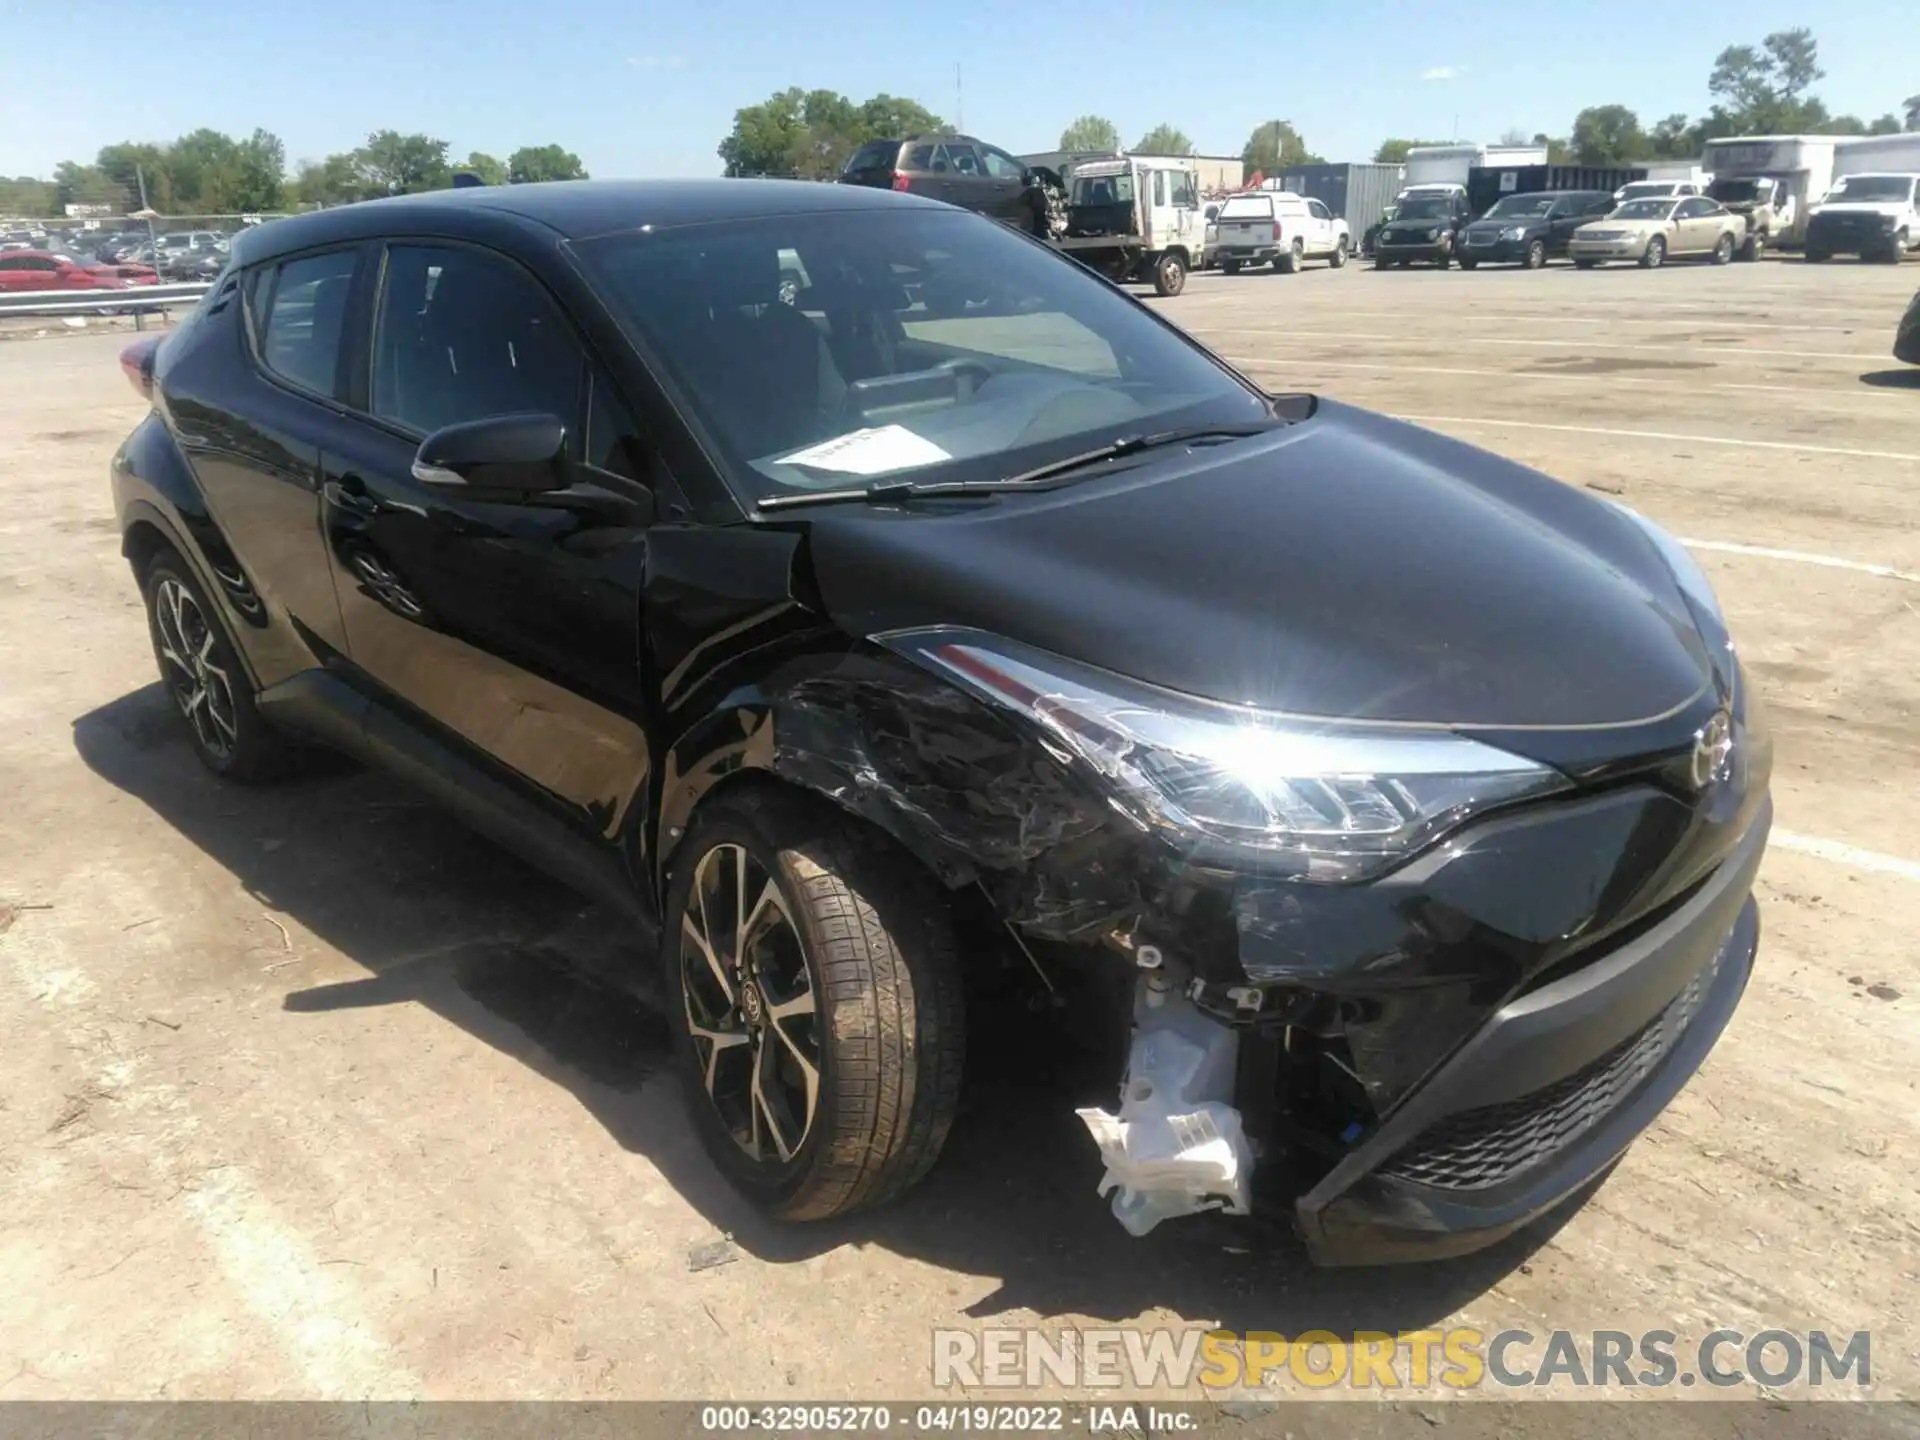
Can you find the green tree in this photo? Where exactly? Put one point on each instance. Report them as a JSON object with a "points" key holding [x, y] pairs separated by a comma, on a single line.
{"points": [[486, 168], [1091, 132], [1394, 152], [532, 163], [1912, 106], [1761, 88], [1275, 145], [394, 164], [766, 137], [28, 198], [1514, 135], [1672, 138], [77, 184], [1559, 152], [888, 117], [130, 162], [1163, 140], [336, 180], [1608, 135]]}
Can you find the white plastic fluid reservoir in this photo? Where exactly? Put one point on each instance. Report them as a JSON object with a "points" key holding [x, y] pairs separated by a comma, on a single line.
{"points": [[1178, 1146]]}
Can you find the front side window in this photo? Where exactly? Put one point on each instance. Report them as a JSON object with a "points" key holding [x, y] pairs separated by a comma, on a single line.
{"points": [[1318, 211], [1000, 165], [935, 343], [1184, 195], [465, 334], [302, 310]]}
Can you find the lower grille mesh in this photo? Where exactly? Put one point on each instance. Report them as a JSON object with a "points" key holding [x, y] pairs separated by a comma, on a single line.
{"points": [[1475, 1149]]}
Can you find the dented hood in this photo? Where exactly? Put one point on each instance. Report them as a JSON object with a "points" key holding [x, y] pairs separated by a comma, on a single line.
{"points": [[1349, 565]]}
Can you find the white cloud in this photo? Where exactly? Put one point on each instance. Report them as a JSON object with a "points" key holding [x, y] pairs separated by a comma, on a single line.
{"points": [[1443, 72], [657, 62]]}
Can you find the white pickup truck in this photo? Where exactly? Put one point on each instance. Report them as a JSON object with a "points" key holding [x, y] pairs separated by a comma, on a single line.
{"points": [[1874, 216], [1278, 227]]}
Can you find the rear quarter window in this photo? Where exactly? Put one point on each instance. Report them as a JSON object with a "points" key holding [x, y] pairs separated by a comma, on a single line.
{"points": [[300, 309], [875, 155]]}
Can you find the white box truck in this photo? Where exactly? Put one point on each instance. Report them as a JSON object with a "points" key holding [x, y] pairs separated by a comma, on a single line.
{"points": [[1771, 180]]}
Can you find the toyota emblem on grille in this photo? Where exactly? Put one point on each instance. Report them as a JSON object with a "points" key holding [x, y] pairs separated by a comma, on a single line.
{"points": [[1712, 751]]}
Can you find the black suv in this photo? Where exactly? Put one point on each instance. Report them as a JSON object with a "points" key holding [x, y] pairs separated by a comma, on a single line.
{"points": [[1424, 226], [1530, 229], [961, 642], [960, 170]]}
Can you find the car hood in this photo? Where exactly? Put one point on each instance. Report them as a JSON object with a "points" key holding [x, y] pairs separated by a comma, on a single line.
{"points": [[1415, 227], [1631, 227], [1484, 226], [1349, 565]]}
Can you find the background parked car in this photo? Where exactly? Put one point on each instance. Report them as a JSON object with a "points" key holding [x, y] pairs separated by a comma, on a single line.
{"points": [[1279, 227], [1654, 190], [1906, 340], [1874, 216], [1653, 231], [962, 171], [25, 270], [132, 274], [1424, 225], [1529, 230]]}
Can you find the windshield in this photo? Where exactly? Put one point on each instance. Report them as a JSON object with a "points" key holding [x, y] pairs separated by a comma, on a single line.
{"points": [[1516, 207], [1644, 210], [1103, 189], [1735, 192], [1424, 207], [1646, 189], [1872, 187], [940, 344]]}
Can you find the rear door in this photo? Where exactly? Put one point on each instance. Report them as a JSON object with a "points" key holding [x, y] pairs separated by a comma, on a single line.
{"points": [[514, 627], [1569, 213], [967, 181], [1694, 230]]}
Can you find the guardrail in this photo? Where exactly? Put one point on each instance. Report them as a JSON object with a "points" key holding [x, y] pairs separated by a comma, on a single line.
{"points": [[136, 300]]}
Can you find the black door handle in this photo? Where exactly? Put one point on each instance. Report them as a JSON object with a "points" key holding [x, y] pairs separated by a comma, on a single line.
{"points": [[349, 493]]}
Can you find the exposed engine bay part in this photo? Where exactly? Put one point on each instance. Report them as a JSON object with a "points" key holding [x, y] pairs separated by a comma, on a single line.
{"points": [[1178, 1146], [1049, 203]]}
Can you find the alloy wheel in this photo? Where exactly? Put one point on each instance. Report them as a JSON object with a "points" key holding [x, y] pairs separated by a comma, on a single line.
{"points": [[750, 1004], [200, 686]]}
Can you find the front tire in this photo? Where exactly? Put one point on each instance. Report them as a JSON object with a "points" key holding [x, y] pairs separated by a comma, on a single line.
{"points": [[1466, 264], [1229, 267], [1897, 252], [1339, 256], [1655, 255], [819, 1006], [1169, 275], [204, 678], [1723, 251], [1536, 254], [1754, 247]]}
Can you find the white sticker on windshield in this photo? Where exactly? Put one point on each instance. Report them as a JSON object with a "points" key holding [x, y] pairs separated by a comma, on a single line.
{"points": [[869, 452]]}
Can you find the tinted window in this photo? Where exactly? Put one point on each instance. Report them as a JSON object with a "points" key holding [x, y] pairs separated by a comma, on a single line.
{"points": [[919, 159], [876, 155], [928, 341], [1247, 207], [306, 307], [613, 437], [1320, 212], [963, 158], [465, 334]]}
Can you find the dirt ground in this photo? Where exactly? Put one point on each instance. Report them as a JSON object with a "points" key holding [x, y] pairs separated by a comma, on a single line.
{"points": [[305, 1092]]}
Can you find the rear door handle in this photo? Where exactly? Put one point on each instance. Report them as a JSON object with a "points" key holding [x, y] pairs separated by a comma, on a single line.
{"points": [[350, 494]]}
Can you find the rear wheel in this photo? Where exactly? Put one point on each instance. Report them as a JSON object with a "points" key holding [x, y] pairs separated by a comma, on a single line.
{"points": [[1466, 264], [1288, 262], [1536, 254], [1897, 253], [1229, 267], [1723, 250], [1753, 247], [1818, 257], [1654, 255], [205, 679], [1169, 275], [820, 1016]]}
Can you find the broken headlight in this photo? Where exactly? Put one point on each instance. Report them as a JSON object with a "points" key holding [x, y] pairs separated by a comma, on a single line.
{"points": [[1302, 798]]}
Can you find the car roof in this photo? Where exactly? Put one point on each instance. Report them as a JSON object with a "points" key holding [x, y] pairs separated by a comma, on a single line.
{"points": [[567, 209]]}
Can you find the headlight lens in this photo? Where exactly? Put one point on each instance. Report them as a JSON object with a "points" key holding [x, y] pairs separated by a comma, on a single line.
{"points": [[1304, 799], [1513, 232], [1434, 233]]}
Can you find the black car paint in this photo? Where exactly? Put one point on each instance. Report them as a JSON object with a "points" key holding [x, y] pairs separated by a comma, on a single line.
{"points": [[1482, 242], [1906, 340], [1402, 576]]}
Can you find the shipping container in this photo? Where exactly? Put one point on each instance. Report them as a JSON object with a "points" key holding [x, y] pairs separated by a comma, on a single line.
{"points": [[1358, 194], [1488, 183]]}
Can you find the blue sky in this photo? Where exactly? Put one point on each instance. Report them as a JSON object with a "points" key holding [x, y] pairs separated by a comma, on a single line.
{"points": [[651, 90]]}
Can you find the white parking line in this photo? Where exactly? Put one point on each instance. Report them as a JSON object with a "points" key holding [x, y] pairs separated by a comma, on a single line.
{"points": [[1295, 363], [1572, 341], [1841, 854], [1612, 320], [1802, 557], [1500, 424]]}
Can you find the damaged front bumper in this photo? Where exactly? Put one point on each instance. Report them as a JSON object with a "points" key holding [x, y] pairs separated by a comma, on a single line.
{"points": [[1549, 1092]]}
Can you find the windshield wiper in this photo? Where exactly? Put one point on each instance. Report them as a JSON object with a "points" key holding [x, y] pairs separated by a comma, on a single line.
{"points": [[882, 491]]}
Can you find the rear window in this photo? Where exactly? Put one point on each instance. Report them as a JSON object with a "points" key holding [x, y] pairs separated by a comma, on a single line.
{"points": [[1248, 207], [874, 155]]}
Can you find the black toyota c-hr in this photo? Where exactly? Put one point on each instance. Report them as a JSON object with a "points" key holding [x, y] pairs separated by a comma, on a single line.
{"points": [[865, 601]]}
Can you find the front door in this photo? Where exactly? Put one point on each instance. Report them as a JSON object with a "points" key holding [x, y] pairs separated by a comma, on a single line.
{"points": [[1321, 236], [514, 626], [1007, 182]]}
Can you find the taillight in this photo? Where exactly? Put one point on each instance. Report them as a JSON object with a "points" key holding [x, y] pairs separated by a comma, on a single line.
{"points": [[136, 363], [1276, 232], [899, 181]]}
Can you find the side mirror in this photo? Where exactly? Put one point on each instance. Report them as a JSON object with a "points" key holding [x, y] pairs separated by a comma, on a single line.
{"points": [[523, 454]]}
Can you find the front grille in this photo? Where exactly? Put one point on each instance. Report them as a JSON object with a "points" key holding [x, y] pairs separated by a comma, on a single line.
{"points": [[1475, 1149]]}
